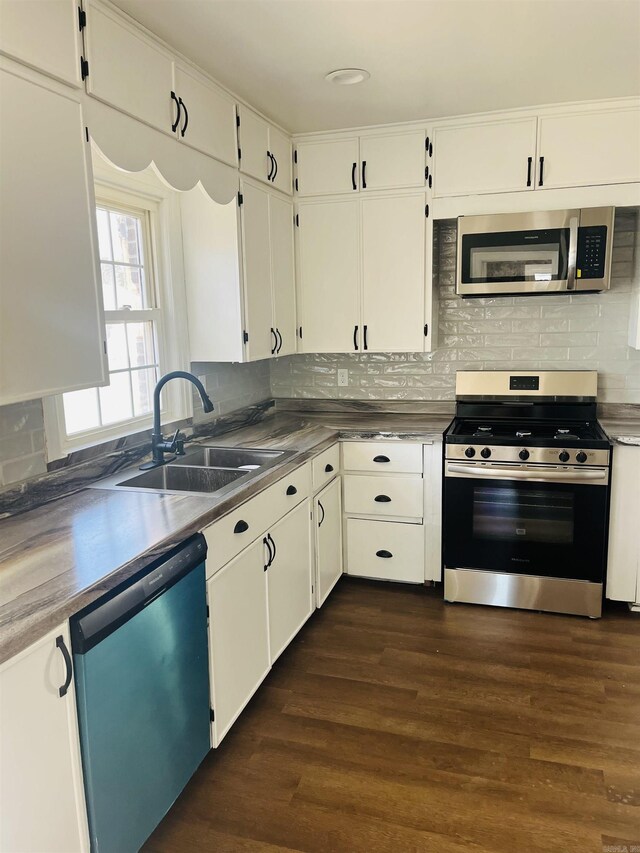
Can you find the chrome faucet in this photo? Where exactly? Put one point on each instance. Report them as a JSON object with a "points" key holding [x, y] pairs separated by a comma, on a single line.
{"points": [[159, 444]]}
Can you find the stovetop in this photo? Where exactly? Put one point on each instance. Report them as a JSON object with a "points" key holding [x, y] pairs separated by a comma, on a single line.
{"points": [[524, 433]]}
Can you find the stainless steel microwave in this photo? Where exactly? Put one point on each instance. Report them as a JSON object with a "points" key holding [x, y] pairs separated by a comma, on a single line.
{"points": [[529, 253]]}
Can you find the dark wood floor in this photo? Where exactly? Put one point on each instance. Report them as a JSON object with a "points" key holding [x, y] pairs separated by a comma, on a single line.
{"points": [[397, 723]]}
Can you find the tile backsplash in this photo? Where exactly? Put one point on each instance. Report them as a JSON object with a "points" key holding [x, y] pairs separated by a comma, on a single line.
{"points": [[563, 332]]}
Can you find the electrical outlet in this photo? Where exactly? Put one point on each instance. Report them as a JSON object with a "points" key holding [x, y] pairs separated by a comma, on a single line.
{"points": [[343, 378]]}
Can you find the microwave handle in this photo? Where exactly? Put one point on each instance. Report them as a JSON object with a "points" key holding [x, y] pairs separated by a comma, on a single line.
{"points": [[573, 253]]}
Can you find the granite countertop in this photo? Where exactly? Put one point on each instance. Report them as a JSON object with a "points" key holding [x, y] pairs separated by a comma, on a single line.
{"points": [[57, 558], [622, 430]]}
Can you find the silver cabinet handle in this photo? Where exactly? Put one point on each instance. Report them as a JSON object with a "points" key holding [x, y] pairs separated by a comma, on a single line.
{"points": [[573, 253]]}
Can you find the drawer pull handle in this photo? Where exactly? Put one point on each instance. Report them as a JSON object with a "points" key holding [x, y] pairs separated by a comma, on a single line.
{"points": [[328, 469], [292, 490], [385, 554], [381, 459], [241, 527], [382, 499]]}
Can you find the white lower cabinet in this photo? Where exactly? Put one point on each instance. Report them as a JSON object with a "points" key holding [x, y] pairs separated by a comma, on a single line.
{"points": [[385, 550], [392, 496], [41, 793], [327, 514], [623, 568], [289, 578]]}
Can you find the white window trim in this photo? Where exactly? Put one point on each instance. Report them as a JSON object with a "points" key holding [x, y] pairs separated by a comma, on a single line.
{"points": [[142, 191]]}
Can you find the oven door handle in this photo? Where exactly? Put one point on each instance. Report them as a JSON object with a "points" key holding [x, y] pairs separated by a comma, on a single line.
{"points": [[573, 253], [526, 474]]}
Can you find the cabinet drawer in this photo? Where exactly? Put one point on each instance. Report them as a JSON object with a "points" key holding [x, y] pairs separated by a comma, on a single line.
{"points": [[232, 533], [325, 466], [384, 457], [385, 550], [392, 497]]}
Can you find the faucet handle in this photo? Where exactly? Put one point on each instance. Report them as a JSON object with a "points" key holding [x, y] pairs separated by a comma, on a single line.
{"points": [[177, 443]]}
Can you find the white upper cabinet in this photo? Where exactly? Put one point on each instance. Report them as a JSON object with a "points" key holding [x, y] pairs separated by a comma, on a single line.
{"points": [[207, 115], [329, 275], [392, 161], [256, 245], [283, 274], [265, 152], [351, 164], [327, 167], [585, 149], [128, 70], [44, 34], [51, 320], [484, 157], [393, 273], [42, 803]]}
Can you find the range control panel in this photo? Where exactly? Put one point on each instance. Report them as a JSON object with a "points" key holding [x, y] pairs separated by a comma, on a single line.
{"points": [[592, 249], [540, 455]]}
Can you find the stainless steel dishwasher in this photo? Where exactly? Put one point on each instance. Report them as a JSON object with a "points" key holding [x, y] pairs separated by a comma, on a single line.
{"points": [[142, 684]]}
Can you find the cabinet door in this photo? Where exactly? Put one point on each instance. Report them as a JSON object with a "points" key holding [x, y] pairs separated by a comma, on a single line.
{"points": [[253, 136], [51, 322], [210, 120], [44, 34], [280, 148], [385, 550], [583, 149], [283, 273], [327, 168], [392, 161], [42, 804], [488, 157], [393, 272], [624, 544], [327, 515], [256, 250], [238, 635], [289, 578], [128, 70], [329, 276]]}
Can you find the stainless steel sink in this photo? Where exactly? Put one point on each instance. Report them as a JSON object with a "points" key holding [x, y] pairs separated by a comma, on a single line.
{"points": [[178, 478], [229, 457]]}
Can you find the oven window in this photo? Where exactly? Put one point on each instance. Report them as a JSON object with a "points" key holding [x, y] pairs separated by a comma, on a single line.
{"points": [[512, 515], [515, 256]]}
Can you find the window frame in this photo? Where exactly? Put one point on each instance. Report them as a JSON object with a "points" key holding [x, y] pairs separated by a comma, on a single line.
{"points": [[139, 193]]}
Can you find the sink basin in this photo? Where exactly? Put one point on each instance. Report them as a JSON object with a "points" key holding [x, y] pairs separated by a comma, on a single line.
{"points": [[179, 478], [229, 457]]}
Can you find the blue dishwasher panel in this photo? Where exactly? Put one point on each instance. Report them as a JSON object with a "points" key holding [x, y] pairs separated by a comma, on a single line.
{"points": [[143, 703]]}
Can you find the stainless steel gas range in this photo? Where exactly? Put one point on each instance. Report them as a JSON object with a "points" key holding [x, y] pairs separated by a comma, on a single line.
{"points": [[526, 492]]}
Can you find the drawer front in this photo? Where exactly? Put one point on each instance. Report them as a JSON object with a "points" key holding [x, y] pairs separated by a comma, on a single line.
{"points": [[391, 497], [384, 457], [385, 550], [325, 466], [232, 533]]}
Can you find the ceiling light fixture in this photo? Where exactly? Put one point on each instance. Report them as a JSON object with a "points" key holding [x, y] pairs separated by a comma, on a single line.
{"points": [[347, 76]]}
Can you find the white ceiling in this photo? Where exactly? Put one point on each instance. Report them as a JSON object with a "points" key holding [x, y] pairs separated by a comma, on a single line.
{"points": [[427, 58]]}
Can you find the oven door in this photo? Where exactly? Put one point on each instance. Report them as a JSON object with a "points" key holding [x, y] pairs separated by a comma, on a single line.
{"points": [[517, 253], [538, 527]]}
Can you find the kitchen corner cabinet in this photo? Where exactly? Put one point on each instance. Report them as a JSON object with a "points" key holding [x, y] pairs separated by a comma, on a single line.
{"points": [[42, 804], [289, 581], [327, 515], [589, 148], [371, 162], [265, 151], [51, 319], [484, 157], [361, 274], [44, 34], [623, 566]]}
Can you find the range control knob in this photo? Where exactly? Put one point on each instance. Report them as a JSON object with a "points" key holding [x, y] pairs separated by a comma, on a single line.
{"points": [[581, 456], [485, 453], [524, 454], [470, 452], [564, 456]]}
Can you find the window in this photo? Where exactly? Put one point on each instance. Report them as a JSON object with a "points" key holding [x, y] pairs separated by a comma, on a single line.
{"points": [[134, 234]]}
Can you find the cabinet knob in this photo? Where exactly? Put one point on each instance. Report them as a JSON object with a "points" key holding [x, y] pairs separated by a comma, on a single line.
{"points": [[292, 490], [328, 469], [241, 527], [384, 554], [381, 459], [382, 499]]}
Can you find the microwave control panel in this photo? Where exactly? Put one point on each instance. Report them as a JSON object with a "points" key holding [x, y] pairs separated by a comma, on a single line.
{"points": [[592, 249]]}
